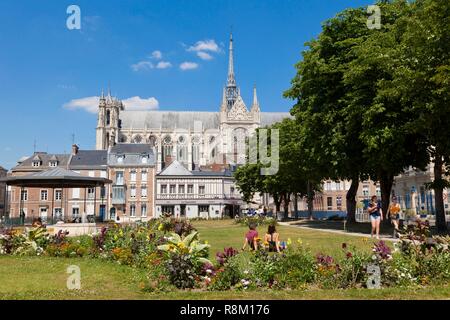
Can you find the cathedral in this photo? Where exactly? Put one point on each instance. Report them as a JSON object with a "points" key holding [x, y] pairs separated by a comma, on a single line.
{"points": [[195, 139]]}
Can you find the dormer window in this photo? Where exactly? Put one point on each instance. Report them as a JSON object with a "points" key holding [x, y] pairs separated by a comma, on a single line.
{"points": [[36, 164], [144, 158], [53, 164], [120, 158]]}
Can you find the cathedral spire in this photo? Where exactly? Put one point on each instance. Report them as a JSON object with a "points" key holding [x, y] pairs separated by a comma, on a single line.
{"points": [[232, 92], [255, 97], [231, 79]]}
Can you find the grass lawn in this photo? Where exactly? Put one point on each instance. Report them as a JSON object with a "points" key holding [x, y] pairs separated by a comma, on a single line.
{"points": [[45, 278]]}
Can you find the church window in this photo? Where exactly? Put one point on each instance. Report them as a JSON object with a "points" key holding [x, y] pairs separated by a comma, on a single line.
{"points": [[152, 141], [137, 139], [123, 139], [108, 118]]}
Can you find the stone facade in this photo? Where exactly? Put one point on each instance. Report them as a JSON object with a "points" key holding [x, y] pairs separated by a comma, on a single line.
{"points": [[132, 170]]}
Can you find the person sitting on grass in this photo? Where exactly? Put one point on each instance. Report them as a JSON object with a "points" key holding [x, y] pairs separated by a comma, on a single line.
{"points": [[251, 238], [272, 239]]}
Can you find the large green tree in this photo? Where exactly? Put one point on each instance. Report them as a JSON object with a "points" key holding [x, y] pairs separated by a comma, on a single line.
{"points": [[422, 79], [330, 130]]}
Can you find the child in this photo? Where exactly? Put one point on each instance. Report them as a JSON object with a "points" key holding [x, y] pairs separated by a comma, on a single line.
{"points": [[251, 238]]}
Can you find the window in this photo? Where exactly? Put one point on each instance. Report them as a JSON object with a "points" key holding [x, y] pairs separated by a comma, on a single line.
{"points": [[103, 192], [133, 191], [58, 213], [75, 212], [232, 191], [328, 186], [163, 188], [203, 209], [58, 195], [76, 193], [144, 159], [172, 189], [144, 210], [144, 191], [91, 193], [53, 164], [120, 159], [103, 174], [190, 189], [201, 190], [119, 178], [365, 190], [330, 203], [378, 191], [144, 175], [36, 164], [133, 176], [181, 188], [133, 210], [24, 195], [44, 195], [339, 203]]}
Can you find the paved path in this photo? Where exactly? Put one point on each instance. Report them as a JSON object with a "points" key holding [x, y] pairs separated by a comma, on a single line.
{"points": [[354, 234]]}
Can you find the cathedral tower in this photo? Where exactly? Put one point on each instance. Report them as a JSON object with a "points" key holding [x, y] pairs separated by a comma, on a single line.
{"points": [[108, 123]]}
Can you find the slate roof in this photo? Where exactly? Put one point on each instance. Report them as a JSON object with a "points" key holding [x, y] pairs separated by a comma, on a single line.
{"points": [[178, 169], [54, 178], [27, 163], [89, 159], [133, 155], [184, 119]]}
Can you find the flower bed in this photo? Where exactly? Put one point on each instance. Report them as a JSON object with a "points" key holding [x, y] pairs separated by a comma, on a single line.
{"points": [[175, 258]]}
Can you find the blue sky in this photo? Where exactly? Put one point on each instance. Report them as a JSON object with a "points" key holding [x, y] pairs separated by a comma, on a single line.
{"points": [[138, 47]]}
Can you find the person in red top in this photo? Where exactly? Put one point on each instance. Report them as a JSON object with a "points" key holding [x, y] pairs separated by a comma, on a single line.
{"points": [[251, 238]]}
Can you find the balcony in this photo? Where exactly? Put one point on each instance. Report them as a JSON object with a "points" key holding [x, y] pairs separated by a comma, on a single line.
{"points": [[119, 194]]}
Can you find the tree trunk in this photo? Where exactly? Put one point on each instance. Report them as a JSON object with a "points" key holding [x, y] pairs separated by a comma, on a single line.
{"points": [[286, 202], [386, 182], [351, 200], [310, 198], [441, 224], [296, 205], [277, 201]]}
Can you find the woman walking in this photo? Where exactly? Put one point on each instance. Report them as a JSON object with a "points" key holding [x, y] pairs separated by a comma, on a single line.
{"points": [[376, 216], [394, 214]]}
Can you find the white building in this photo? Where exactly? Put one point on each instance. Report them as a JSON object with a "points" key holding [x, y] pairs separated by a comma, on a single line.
{"points": [[196, 194]]}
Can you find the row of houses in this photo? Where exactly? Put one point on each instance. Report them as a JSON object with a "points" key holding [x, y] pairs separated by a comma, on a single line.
{"points": [[137, 191], [140, 192]]}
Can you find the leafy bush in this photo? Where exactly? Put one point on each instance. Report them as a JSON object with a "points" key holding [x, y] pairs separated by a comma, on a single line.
{"points": [[256, 220]]}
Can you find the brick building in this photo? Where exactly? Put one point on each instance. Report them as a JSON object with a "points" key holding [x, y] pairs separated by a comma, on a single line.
{"points": [[132, 170]]}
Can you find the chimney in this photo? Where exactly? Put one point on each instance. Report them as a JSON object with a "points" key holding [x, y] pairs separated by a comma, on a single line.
{"points": [[75, 149]]}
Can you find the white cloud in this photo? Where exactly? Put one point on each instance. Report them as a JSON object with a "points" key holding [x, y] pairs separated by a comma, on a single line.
{"points": [[163, 65], [142, 65], [204, 56], [157, 55], [205, 45], [188, 66], [90, 104], [140, 104]]}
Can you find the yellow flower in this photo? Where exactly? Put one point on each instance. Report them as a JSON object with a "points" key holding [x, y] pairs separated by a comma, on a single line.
{"points": [[181, 245], [160, 228], [365, 240], [289, 241], [206, 242], [300, 242]]}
